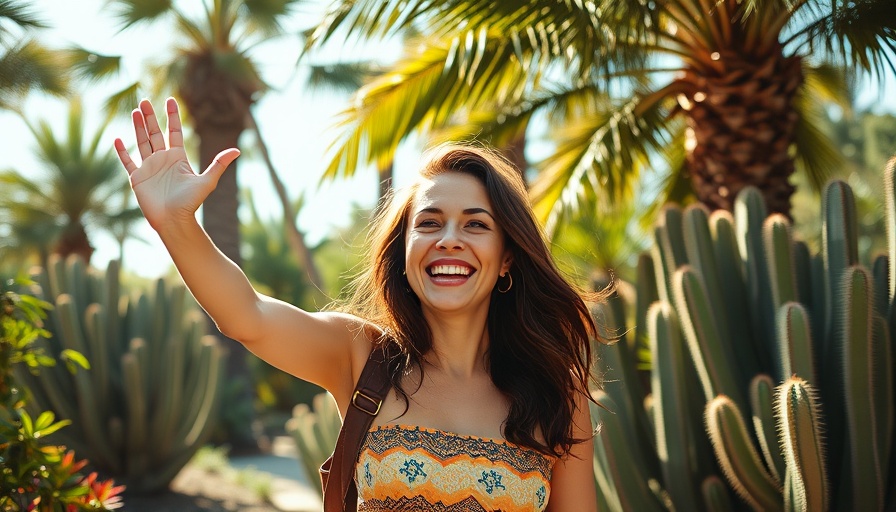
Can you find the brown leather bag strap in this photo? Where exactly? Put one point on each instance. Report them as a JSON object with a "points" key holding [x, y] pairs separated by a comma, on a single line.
{"points": [[340, 493]]}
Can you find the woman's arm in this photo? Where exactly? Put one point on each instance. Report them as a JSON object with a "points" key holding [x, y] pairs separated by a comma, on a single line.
{"points": [[572, 481], [323, 348]]}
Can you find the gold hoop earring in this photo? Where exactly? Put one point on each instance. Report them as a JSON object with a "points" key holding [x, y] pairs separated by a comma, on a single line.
{"points": [[509, 284]]}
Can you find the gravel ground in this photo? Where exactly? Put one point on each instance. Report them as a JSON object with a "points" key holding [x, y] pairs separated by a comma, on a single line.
{"points": [[196, 490]]}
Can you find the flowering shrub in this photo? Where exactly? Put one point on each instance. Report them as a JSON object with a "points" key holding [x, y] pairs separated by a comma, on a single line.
{"points": [[34, 473]]}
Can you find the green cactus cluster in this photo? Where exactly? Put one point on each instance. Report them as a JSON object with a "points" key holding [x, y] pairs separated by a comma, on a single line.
{"points": [[771, 380], [151, 397], [315, 431]]}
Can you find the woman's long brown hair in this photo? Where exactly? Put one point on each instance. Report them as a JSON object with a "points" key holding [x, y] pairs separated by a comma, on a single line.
{"points": [[539, 331]]}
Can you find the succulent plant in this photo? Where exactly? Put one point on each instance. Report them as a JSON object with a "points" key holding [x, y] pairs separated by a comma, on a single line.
{"points": [[151, 397], [782, 358]]}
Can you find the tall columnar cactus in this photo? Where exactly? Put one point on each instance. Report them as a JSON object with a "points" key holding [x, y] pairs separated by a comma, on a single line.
{"points": [[783, 358], [151, 397], [315, 432]]}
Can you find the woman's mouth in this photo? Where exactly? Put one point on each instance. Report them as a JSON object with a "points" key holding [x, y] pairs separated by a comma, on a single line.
{"points": [[449, 274]]}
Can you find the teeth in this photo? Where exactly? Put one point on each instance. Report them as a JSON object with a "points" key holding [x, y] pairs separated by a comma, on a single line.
{"points": [[450, 270]]}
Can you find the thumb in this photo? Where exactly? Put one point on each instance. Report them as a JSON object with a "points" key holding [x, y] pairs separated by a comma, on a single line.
{"points": [[220, 163]]}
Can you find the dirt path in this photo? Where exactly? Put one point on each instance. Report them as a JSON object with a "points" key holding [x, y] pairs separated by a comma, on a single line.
{"points": [[196, 490]]}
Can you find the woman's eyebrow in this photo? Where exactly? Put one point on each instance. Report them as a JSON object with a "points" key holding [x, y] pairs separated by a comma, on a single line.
{"points": [[473, 211], [468, 211]]}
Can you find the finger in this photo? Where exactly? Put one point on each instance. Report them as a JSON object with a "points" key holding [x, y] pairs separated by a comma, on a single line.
{"points": [[175, 133], [125, 157], [156, 140], [140, 130], [220, 163]]}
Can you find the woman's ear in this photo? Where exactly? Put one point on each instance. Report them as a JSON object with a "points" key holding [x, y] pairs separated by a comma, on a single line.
{"points": [[506, 263]]}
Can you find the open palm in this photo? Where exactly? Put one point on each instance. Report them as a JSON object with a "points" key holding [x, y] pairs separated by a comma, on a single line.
{"points": [[165, 184]]}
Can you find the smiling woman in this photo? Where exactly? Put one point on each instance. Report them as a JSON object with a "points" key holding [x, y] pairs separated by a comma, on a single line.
{"points": [[490, 345]]}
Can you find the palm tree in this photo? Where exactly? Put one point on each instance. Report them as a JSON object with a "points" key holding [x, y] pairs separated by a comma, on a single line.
{"points": [[725, 93], [218, 82], [75, 190]]}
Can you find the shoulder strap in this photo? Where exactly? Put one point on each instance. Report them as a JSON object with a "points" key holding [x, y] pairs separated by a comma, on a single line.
{"points": [[340, 493]]}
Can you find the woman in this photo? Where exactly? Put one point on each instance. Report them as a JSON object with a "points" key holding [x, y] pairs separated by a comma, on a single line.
{"points": [[489, 404]]}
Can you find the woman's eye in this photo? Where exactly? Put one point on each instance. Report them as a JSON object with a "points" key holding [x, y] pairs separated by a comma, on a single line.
{"points": [[427, 224], [477, 224]]}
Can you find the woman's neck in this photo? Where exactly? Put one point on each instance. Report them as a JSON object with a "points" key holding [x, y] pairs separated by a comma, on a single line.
{"points": [[459, 343]]}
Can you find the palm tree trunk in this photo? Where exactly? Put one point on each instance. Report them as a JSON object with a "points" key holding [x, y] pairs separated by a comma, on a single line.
{"points": [[220, 220], [219, 211], [73, 240], [740, 128], [516, 153], [294, 237]]}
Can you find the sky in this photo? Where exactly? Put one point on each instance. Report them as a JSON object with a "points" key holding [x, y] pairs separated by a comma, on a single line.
{"points": [[297, 123]]}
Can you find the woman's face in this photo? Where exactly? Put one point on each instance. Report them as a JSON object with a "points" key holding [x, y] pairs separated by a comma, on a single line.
{"points": [[454, 248]]}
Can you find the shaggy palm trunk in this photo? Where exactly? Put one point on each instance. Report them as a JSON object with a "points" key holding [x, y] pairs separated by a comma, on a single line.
{"points": [[73, 240], [516, 153], [219, 108], [740, 127]]}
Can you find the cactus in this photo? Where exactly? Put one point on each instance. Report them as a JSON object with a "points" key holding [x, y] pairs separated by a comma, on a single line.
{"points": [[738, 457], [315, 432], [807, 483], [758, 308], [673, 434], [151, 397]]}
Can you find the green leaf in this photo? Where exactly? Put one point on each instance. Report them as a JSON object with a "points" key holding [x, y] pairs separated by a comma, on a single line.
{"points": [[44, 432], [44, 420], [73, 358]]}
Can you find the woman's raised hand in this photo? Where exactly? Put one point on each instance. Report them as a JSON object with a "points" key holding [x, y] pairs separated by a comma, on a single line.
{"points": [[165, 184]]}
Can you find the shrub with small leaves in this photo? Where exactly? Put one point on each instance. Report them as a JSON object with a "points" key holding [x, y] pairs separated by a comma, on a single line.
{"points": [[36, 474]]}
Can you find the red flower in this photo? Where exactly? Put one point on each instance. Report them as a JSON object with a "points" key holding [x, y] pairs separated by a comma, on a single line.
{"points": [[102, 493]]}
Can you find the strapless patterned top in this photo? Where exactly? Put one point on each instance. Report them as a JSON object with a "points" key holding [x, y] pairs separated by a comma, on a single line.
{"points": [[409, 468]]}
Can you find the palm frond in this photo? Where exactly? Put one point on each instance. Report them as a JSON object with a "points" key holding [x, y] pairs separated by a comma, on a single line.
{"points": [[369, 19], [424, 92], [265, 16], [599, 159], [20, 14], [861, 34], [816, 154], [342, 76], [91, 66], [121, 102], [499, 124], [582, 34], [131, 12], [828, 83], [27, 66], [201, 40], [675, 184]]}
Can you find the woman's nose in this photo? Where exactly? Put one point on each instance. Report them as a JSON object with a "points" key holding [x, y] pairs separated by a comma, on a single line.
{"points": [[451, 238]]}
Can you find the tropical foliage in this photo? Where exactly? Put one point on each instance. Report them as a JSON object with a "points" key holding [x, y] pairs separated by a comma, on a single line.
{"points": [[49, 211], [38, 474], [25, 64], [712, 97]]}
